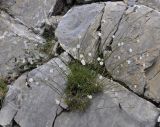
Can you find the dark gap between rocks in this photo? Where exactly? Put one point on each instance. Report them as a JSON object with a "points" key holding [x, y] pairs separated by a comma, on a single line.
{"points": [[15, 124], [141, 96], [59, 50], [62, 6]]}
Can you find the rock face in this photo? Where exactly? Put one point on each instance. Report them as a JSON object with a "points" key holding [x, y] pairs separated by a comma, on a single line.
{"points": [[35, 105], [129, 41], [18, 45], [116, 107], [135, 50], [151, 3], [32, 100], [80, 28], [125, 35], [32, 13]]}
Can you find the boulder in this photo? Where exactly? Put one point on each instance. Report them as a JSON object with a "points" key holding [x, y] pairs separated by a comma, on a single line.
{"points": [[34, 98], [32, 13], [18, 45], [78, 28], [134, 55], [116, 107]]}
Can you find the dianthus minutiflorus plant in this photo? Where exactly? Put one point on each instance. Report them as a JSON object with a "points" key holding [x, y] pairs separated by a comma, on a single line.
{"points": [[82, 82], [81, 86]]}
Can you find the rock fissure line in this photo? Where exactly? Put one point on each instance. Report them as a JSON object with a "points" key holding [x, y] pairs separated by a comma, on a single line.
{"points": [[99, 29], [31, 29], [117, 26], [57, 115], [141, 96]]}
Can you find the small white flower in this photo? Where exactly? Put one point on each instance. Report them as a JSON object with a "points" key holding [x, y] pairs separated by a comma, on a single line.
{"points": [[46, 79], [7, 67], [147, 55], [99, 34], [60, 65], [89, 54], [30, 61], [62, 45], [122, 43], [119, 44], [119, 57], [113, 36], [103, 21], [36, 45], [135, 86], [26, 83], [79, 36], [30, 79], [140, 57], [98, 59], [130, 50], [111, 80], [89, 96], [96, 85], [65, 53], [56, 54], [158, 120], [101, 63], [23, 61], [51, 70], [100, 77], [74, 49], [81, 56], [136, 6], [78, 46], [83, 62], [138, 40], [128, 61], [57, 101], [37, 83], [144, 64]]}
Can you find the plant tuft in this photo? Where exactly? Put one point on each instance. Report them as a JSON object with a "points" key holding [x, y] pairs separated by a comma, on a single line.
{"points": [[3, 90], [81, 86]]}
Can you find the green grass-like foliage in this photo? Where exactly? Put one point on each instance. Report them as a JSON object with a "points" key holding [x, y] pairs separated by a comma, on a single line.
{"points": [[3, 90], [81, 82], [47, 47]]}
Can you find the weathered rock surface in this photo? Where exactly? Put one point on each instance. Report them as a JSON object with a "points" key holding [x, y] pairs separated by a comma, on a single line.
{"points": [[18, 45], [80, 28], [31, 101], [129, 41], [110, 21], [151, 3], [135, 50], [32, 13], [116, 107], [5, 4], [126, 35]]}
